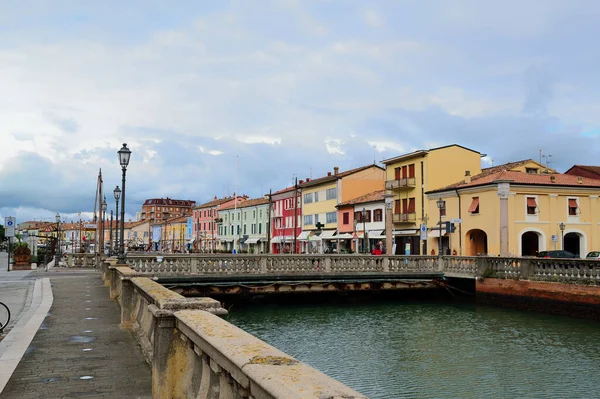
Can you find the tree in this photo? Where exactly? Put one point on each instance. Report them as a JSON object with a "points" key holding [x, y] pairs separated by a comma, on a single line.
{"points": [[2, 232]]}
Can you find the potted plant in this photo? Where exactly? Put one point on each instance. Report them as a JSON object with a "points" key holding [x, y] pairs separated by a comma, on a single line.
{"points": [[21, 253]]}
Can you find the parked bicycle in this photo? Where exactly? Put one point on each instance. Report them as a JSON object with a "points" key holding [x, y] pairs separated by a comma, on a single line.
{"points": [[4, 317]]}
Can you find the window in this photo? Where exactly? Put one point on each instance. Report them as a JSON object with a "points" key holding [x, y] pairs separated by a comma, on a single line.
{"points": [[368, 216], [531, 170], [308, 219], [573, 207], [358, 217], [231, 230], [316, 219], [308, 198], [531, 206], [316, 196], [397, 173], [411, 170], [411, 205], [260, 228], [239, 229], [244, 229], [346, 218], [404, 172], [145, 234], [331, 217], [331, 193], [378, 215], [397, 206], [474, 208]]}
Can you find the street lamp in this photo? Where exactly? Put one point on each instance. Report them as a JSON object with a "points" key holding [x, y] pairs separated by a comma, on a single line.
{"points": [[389, 227], [57, 254], [124, 155], [110, 241], [562, 226], [441, 204], [104, 206], [365, 235], [165, 216], [117, 193]]}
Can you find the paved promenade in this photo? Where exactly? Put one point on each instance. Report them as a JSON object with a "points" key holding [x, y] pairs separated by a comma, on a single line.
{"points": [[79, 349]]}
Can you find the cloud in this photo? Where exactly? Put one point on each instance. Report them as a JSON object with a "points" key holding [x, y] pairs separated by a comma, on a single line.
{"points": [[231, 96]]}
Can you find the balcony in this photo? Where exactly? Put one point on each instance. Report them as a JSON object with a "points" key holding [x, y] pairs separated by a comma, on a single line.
{"points": [[399, 184], [405, 217]]}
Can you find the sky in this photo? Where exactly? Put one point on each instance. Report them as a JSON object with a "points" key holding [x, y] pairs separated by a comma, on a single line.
{"points": [[214, 97]]}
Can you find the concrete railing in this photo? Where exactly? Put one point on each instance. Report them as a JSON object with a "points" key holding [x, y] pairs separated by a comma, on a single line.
{"points": [[194, 353]]}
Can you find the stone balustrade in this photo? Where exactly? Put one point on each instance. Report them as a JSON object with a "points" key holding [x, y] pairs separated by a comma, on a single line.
{"points": [[195, 353], [536, 269]]}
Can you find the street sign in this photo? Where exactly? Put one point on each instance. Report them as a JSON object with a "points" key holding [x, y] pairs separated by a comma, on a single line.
{"points": [[456, 221], [554, 238], [9, 226], [423, 232]]}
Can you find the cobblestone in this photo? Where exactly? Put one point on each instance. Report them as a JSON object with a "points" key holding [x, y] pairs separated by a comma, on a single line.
{"points": [[80, 351]]}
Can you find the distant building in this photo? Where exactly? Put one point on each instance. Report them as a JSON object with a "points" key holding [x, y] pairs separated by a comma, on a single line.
{"points": [[155, 208], [593, 172]]}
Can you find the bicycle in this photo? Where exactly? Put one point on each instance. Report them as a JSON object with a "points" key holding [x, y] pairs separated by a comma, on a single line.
{"points": [[4, 316]]}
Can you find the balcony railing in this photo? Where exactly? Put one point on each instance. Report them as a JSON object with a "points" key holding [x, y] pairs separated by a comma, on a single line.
{"points": [[400, 183], [405, 217]]}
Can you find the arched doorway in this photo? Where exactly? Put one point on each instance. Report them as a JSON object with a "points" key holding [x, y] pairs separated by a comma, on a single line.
{"points": [[572, 243], [476, 242], [530, 243]]}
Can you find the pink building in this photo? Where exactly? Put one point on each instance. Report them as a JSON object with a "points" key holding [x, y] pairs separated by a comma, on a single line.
{"points": [[284, 226], [205, 229]]}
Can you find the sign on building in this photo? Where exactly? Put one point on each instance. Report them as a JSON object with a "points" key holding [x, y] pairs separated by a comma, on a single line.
{"points": [[423, 232]]}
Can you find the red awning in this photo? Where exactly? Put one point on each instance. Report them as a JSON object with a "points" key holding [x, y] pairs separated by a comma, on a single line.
{"points": [[572, 203], [474, 205], [531, 202]]}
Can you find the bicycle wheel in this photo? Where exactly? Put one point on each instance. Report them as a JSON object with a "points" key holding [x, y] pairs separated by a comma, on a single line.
{"points": [[4, 316]]}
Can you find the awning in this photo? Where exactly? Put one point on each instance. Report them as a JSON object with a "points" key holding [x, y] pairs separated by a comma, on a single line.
{"points": [[344, 236], [531, 202], [227, 239], [328, 235], [474, 205], [436, 233], [276, 239], [303, 236], [405, 232], [252, 240], [572, 203], [375, 233]]}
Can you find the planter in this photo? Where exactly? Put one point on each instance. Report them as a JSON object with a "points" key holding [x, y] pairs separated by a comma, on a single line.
{"points": [[21, 260]]}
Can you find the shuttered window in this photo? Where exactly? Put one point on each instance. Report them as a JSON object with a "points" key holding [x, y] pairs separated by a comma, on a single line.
{"points": [[573, 207], [474, 208]]}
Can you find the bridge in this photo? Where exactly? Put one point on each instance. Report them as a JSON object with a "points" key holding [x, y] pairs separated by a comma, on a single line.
{"points": [[192, 351]]}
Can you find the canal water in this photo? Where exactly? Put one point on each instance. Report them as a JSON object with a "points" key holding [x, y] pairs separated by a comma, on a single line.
{"points": [[420, 349]]}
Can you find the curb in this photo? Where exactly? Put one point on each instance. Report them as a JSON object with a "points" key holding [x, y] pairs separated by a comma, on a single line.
{"points": [[14, 345]]}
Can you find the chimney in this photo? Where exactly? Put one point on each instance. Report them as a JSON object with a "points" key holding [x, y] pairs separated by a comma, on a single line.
{"points": [[579, 180], [467, 176], [328, 173], [215, 197], [307, 179], [335, 170], [552, 179], [300, 181]]}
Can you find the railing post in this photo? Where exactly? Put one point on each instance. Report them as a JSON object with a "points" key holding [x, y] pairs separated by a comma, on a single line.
{"points": [[194, 266], [526, 269], [385, 264], [126, 303], [482, 264], [164, 331], [263, 265], [327, 264], [113, 282]]}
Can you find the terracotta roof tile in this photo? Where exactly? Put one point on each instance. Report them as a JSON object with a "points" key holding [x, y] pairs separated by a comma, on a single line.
{"points": [[247, 203], [589, 168], [216, 202], [338, 176], [375, 196]]}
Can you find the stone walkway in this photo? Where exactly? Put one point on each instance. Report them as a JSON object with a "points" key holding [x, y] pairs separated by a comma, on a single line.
{"points": [[80, 350]]}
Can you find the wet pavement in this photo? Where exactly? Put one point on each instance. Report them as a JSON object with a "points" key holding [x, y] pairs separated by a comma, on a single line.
{"points": [[79, 350]]}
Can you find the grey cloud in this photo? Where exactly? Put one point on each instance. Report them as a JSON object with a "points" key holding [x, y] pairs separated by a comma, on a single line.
{"points": [[539, 90]]}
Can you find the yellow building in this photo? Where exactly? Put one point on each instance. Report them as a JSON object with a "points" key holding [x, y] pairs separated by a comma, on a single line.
{"points": [[409, 176], [320, 197], [173, 234], [519, 209]]}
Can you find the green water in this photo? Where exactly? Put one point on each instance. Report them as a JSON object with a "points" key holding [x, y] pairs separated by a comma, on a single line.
{"points": [[405, 349]]}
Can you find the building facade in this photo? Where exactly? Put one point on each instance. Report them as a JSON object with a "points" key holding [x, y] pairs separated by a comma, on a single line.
{"points": [[285, 227], [154, 208], [205, 237], [518, 211], [409, 176], [361, 223], [244, 228]]}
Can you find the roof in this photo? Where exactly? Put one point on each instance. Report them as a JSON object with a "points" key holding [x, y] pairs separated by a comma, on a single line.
{"points": [[375, 196], [522, 178], [169, 201], [285, 190], [418, 153], [589, 168], [247, 203], [513, 165], [215, 202], [339, 175]]}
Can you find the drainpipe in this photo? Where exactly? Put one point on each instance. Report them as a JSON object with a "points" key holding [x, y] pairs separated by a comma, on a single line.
{"points": [[460, 224]]}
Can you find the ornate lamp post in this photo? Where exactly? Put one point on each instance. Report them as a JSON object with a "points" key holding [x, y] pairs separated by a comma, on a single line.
{"points": [[57, 254], [104, 206], [441, 204], [124, 156], [110, 241], [562, 226], [389, 227], [117, 193]]}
